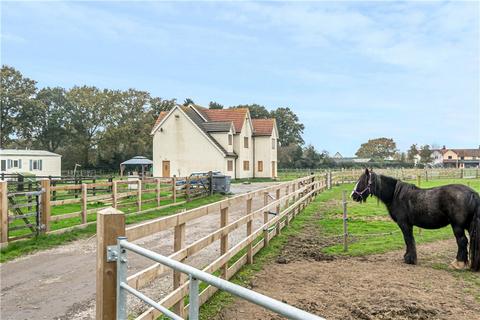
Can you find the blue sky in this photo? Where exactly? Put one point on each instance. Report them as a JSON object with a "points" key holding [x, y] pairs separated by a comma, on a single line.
{"points": [[350, 70]]}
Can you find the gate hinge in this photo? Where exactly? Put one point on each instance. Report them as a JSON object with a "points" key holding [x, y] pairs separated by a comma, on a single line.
{"points": [[112, 253]]}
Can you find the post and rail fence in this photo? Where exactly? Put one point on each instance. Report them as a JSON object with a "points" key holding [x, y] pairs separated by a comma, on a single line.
{"points": [[272, 208], [29, 207]]}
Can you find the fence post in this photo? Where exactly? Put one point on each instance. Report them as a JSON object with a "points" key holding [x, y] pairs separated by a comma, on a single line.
{"points": [[158, 191], [187, 189], [45, 200], [3, 213], [345, 223], [265, 219], [174, 189], [418, 180], [287, 204], [114, 194], [294, 187], [94, 189], [110, 225], [224, 240], [277, 198], [210, 182], [84, 202], [179, 277], [249, 230], [139, 195]]}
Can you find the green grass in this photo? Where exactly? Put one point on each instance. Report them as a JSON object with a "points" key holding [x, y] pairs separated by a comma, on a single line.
{"points": [[221, 299], [23, 247], [363, 222]]}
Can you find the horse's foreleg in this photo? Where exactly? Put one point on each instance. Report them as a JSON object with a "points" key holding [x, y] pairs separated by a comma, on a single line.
{"points": [[462, 243], [410, 256]]}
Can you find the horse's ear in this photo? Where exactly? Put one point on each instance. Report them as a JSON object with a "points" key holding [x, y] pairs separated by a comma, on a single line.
{"points": [[366, 171]]}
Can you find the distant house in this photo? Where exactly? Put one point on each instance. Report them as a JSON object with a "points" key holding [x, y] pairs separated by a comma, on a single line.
{"points": [[189, 139], [37, 162], [456, 158]]}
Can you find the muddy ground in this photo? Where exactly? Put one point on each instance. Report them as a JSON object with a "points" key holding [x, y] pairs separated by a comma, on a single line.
{"points": [[60, 283], [372, 287]]}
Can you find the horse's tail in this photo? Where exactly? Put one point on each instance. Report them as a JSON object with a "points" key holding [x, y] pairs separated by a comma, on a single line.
{"points": [[475, 239]]}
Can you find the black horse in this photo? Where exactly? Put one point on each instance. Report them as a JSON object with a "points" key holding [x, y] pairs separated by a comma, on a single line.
{"points": [[433, 208]]}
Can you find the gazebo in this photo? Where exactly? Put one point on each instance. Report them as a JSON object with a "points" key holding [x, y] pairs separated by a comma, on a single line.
{"points": [[137, 162]]}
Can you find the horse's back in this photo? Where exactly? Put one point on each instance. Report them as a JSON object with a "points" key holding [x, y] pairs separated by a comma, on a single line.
{"points": [[455, 202], [437, 207]]}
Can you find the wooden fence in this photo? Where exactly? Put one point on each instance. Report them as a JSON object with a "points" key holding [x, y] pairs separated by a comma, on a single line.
{"points": [[78, 203], [276, 212]]}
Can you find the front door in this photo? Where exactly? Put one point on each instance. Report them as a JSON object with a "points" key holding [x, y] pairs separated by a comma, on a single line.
{"points": [[273, 170], [166, 169]]}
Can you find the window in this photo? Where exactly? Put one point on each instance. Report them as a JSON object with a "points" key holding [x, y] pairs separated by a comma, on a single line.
{"points": [[274, 143], [246, 165], [230, 165], [260, 166], [462, 158], [230, 139], [450, 157], [4, 165], [35, 165], [245, 142], [14, 163]]}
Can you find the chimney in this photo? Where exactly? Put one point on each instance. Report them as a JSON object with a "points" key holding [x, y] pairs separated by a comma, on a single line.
{"points": [[443, 147]]}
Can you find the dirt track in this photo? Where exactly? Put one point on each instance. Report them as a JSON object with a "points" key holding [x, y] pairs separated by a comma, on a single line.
{"points": [[60, 283], [373, 287]]}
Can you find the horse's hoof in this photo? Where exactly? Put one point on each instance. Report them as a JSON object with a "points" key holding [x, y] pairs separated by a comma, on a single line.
{"points": [[458, 265], [410, 260]]}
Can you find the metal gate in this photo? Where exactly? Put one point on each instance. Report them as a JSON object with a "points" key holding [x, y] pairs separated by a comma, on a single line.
{"points": [[118, 253], [24, 206]]}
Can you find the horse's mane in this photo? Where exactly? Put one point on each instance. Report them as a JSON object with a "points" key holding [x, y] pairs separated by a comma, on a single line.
{"points": [[387, 188]]}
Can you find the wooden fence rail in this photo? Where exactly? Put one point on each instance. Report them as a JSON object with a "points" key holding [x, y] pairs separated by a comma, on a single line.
{"points": [[286, 202], [81, 200]]}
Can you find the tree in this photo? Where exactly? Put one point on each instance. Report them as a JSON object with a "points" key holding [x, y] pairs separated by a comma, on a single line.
{"points": [[16, 102], [412, 152], [215, 105], [188, 101], [127, 130], [425, 154], [158, 105], [88, 115], [289, 127], [289, 156], [50, 119], [380, 148], [256, 111]]}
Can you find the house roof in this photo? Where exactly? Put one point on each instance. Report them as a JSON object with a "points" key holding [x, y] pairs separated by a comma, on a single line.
{"points": [[263, 127], [206, 127], [467, 152], [462, 152], [236, 115], [27, 152], [160, 118], [217, 126]]}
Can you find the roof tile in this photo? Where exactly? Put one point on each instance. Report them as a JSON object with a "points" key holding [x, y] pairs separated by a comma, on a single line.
{"points": [[263, 127]]}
